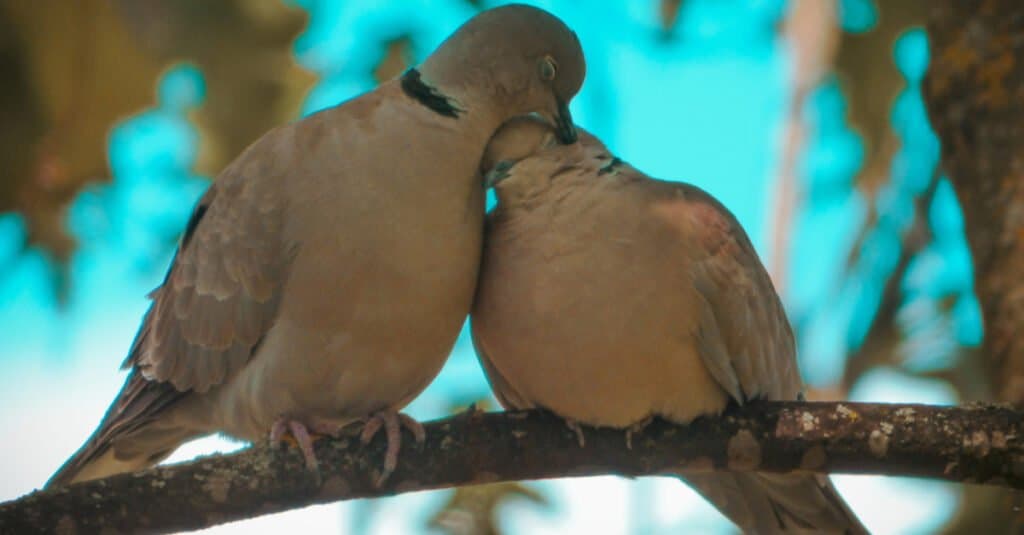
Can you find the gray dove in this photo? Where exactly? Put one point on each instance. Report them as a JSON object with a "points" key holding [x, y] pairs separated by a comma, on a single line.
{"points": [[610, 298], [323, 278]]}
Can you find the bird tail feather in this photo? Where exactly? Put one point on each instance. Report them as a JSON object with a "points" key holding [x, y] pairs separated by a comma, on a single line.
{"points": [[98, 458], [778, 503]]}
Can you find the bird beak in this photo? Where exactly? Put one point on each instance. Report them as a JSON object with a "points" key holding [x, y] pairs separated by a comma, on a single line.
{"points": [[498, 173], [564, 128]]}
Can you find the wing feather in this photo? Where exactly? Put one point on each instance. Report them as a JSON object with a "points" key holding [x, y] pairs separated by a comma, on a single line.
{"points": [[746, 340], [218, 300]]}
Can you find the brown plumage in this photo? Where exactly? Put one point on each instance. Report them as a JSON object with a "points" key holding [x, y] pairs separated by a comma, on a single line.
{"points": [[609, 297], [325, 275]]}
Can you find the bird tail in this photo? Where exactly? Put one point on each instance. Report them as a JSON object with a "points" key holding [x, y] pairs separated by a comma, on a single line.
{"points": [[98, 467], [778, 503], [139, 430], [99, 458]]}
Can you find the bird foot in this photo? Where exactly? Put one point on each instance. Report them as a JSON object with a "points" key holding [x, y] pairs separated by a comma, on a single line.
{"points": [[636, 429], [574, 426], [320, 426], [285, 428], [392, 422]]}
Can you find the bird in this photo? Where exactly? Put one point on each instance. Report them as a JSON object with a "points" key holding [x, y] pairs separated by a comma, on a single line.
{"points": [[324, 276], [611, 298]]}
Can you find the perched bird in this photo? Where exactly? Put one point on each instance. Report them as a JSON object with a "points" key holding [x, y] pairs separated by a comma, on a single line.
{"points": [[609, 298], [325, 275]]}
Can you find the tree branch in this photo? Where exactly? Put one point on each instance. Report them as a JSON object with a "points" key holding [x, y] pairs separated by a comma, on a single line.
{"points": [[978, 444]]}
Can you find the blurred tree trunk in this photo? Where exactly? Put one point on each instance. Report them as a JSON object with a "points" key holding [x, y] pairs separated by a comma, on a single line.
{"points": [[974, 91]]}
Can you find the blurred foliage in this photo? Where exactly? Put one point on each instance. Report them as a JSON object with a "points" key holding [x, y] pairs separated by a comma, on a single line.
{"points": [[907, 323], [473, 510], [396, 57], [72, 73], [899, 194], [244, 50], [880, 346], [871, 81], [911, 323], [668, 14]]}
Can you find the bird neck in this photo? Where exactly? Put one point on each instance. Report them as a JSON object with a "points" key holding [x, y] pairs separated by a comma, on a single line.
{"points": [[583, 172], [473, 98], [528, 187]]}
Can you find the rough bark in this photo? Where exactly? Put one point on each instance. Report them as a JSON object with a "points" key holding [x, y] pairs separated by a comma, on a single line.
{"points": [[977, 444], [974, 90]]}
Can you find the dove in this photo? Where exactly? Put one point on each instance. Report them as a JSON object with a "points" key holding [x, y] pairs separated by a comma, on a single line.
{"points": [[610, 298], [323, 278]]}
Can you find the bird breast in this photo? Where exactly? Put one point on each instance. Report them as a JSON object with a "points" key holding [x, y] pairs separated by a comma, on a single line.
{"points": [[569, 312]]}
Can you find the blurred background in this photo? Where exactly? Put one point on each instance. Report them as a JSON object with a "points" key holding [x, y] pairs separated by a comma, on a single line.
{"points": [[804, 117]]}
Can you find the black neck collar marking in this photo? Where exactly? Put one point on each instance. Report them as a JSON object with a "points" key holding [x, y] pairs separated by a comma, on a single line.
{"points": [[414, 86]]}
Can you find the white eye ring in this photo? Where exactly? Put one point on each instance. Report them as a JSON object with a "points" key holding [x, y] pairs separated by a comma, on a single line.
{"points": [[548, 68]]}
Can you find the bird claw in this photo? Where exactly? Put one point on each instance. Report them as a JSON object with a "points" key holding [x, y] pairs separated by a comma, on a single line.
{"points": [[302, 437], [277, 433], [574, 426], [636, 429], [392, 422]]}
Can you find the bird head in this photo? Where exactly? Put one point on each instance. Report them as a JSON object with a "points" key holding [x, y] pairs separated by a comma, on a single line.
{"points": [[521, 58]]}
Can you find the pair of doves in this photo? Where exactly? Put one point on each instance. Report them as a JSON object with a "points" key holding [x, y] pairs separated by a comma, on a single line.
{"points": [[322, 281]]}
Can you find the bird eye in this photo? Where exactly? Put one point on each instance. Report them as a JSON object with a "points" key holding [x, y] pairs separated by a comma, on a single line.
{"points": [[548, 68]]}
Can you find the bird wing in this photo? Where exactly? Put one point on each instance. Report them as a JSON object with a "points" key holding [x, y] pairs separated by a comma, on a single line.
{"points": [[744, 336], [746, 343], [218, 299], [222, 291]]}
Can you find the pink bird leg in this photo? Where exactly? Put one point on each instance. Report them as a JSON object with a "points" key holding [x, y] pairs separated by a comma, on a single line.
{"points": [[392, 422]]}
